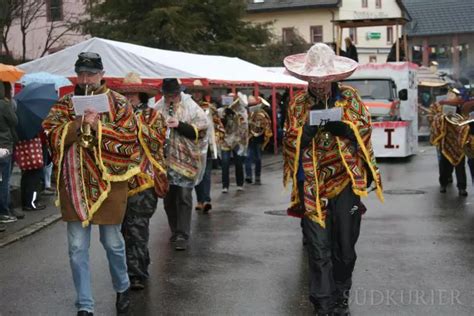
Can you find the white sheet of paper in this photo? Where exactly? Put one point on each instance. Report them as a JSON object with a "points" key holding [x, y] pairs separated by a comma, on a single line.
{"points": [[321, 117], [99, 103], [449, 109]]}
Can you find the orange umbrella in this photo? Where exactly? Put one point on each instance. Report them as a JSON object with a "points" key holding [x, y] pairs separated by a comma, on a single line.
{"points": [[10, 73]]}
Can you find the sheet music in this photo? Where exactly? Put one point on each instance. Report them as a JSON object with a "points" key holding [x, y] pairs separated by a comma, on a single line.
{"points": [[321, 117], [449, 109], [98, 102]]}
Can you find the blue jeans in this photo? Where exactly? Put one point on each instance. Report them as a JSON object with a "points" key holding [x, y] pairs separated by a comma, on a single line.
{"points": [[254, 155], [203, 189], [78, 242], [239, 168], [6, 170]]}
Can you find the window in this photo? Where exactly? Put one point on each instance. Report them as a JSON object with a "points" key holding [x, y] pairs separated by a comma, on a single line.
{"points": [[389, 35], [353, 35], [372, 59], [365, 4], [54, 10], [378, 4], [316, 33], [288, 34]]}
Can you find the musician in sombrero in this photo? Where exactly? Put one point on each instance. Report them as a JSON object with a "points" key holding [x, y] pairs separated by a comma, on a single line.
{"points": [[215, 134], [150, 184], [331, 166], [451, 136], [260, 133]]}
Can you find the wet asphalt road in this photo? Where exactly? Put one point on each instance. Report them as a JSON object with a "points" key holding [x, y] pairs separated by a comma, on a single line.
{"points": [[415, 256]]}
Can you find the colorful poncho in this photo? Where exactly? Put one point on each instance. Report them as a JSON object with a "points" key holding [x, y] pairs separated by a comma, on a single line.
{"points": [[260, 124], [448, 138], [87, 173], [236, 129], [151, 134], [329, 163], [186, 158], [216, 131]]}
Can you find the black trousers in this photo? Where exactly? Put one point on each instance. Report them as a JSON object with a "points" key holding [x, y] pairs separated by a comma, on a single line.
{"points": [[178, 205], [331, 251], [136, 232], [30, 187], [446, 169]]}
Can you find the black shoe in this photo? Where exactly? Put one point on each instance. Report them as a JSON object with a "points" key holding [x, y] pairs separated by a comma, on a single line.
{"points": [[248, 180], [207, 207], [17, 213], [123, 302], [173, 238], [442, 190], [342, 308], [84, 313], [181, 244], [38, 207], [136, 284], [258, 181], [462, 192]]}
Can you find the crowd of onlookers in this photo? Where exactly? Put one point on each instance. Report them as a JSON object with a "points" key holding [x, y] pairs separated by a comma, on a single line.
{"points": [[34, 181]]}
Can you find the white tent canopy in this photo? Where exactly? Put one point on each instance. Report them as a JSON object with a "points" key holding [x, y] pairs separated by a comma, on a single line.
{"points": [[120, 58]]}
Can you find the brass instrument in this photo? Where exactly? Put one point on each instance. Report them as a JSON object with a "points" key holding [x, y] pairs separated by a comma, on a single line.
{"points": [[86, 138], [459, 120]]}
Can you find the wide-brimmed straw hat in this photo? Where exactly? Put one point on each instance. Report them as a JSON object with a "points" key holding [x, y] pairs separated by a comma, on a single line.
{"points": [[132, 83], [257, 100], [198, 86], [319, 64]]}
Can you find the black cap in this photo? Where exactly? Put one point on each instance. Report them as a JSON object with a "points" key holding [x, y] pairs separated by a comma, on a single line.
{"points": [[170, 86], [88, 61]]}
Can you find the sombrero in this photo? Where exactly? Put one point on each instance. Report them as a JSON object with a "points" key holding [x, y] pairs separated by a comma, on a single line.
{"points": [[132, 83], [319, 64], [198, 86], [257, 100]]}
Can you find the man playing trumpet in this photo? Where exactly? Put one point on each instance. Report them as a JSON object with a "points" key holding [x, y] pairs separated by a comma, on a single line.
{"points": [[92, 173]]}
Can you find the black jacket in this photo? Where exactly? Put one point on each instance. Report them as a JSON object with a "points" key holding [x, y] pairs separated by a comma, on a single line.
{"points": [[8, 121]]}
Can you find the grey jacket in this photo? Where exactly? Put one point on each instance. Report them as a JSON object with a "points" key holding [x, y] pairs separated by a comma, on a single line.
{"points": [[8, 121]]}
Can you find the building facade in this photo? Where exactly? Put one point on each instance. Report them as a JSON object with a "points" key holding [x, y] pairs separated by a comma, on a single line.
{"points": [[50, 28], [312, 20], [443, 31]]}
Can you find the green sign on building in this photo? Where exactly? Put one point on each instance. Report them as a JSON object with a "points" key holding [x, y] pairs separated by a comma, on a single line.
{"points": [[374, 35]]}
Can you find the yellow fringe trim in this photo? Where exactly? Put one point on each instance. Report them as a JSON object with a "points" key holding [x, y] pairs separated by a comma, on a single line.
{"points": [[148, 184], [367, 159], [197, 134], [441, 135], [319, 216], [60, 163], [95, 207], [105, 174], [346, 165], [147, 150], [297, 158]]}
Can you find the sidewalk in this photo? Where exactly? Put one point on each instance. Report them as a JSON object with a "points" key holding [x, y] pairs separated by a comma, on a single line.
{"points": [[33, 220]]}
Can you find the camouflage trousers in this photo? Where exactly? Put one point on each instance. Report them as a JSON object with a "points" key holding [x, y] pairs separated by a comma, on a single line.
{"points": [[135, 230]]}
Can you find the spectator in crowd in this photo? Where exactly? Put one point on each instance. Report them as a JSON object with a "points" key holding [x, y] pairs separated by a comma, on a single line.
{"points": [[351, 50], [8, 137]]}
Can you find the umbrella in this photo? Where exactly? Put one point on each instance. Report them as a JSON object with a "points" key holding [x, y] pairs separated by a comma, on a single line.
{"points": [[45, 77], [10, 73], [34, 102]]}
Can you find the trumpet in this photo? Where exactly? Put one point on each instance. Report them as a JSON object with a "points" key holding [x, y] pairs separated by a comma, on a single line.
{"points": [[86, 138]]}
